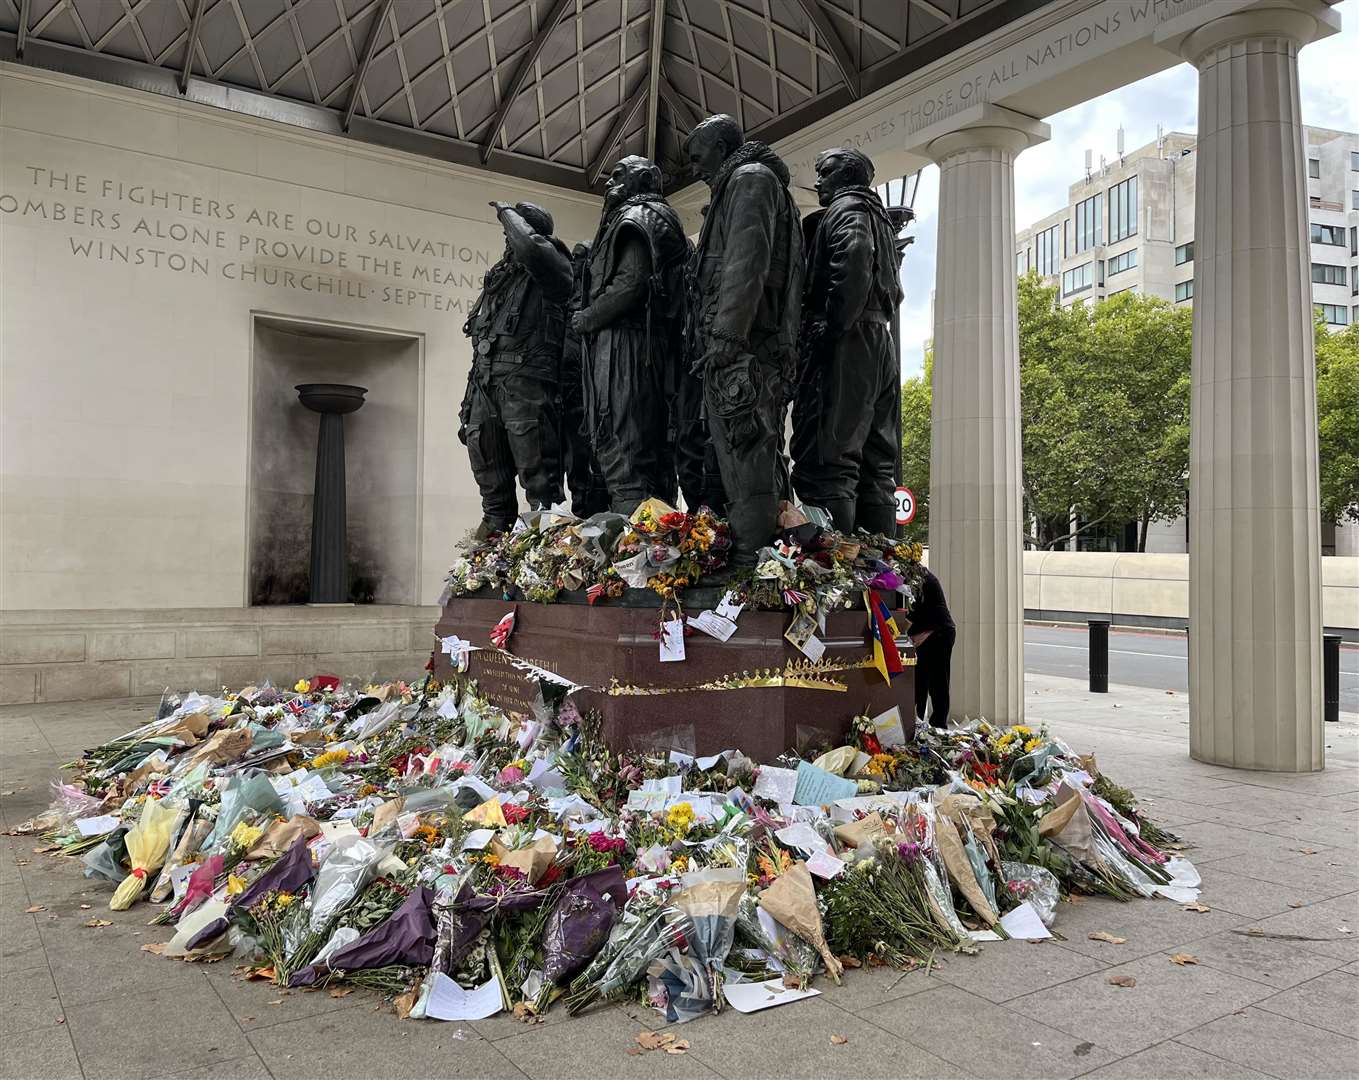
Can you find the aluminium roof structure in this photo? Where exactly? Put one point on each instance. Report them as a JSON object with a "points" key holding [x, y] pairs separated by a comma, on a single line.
{"points": [[548, 90]]}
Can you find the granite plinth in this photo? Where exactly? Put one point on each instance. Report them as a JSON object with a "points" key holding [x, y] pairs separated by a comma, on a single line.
{"points": [[596, 646]]}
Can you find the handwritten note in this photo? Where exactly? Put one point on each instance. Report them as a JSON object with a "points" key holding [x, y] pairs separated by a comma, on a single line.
{"points": [[888, 727], [713, 624], [817, 787], [449, 1001], [672, 640]]}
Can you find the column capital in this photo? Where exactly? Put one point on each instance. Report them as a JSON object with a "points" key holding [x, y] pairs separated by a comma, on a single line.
{"points": [[978, 127], [1299, 21]]}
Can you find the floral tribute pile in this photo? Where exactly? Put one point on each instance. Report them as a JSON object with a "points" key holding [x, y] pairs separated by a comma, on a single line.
{"points": [[416, 840], [809, 566]]}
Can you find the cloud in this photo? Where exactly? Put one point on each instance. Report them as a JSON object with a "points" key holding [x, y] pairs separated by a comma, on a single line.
{"points": [[1329, 83]]}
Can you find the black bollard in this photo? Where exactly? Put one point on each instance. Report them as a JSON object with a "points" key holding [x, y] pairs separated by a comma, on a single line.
{"points": [[1330, 677], [1099, 656]]}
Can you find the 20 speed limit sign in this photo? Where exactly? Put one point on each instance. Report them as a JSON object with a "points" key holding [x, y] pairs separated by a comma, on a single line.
{"points": [[905, 500]]}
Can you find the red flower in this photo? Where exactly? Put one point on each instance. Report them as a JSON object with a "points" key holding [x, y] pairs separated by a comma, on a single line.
{"points": [[553, 873], [514, 813], [987, 773]]}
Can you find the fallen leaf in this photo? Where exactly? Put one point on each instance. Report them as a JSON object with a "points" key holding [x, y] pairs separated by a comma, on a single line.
{"points": [[276, 1001], [1122, 980], [650, 1040], [634, 1051], [1183, 958], [404, 1003], [33, 909], [849, 961], [260, 973], [341, 991], [1297, 903], [156, 948], [1194, 905], [1308, 850], [839, 1040], [1102, 935], [97, 922], [680, 1046], [1083, 1048]]}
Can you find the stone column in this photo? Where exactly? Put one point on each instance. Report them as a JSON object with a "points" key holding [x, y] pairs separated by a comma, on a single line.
{"points": [[1254, 543], [976, 513]]}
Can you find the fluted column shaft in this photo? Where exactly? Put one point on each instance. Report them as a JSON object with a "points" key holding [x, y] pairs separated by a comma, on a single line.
{"points": [[975, 505], [1254, 544]]}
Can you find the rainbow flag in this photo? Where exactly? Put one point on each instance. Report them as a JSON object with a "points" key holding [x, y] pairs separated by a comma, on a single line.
{"points": [[886, 658]]}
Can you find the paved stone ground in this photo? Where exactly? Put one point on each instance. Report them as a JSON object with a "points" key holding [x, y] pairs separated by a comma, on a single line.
{"points": [[1276, 852]]}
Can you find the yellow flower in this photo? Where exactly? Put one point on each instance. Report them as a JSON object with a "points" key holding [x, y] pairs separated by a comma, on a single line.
{"points": [[1032, 745], [302, 686], [235, 885], [330, 757], [284, 900], [244, 835], [680, 817], [1022, 729], [680, 865]]}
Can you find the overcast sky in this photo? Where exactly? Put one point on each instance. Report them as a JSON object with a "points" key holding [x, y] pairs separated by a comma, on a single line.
{"points": [[1328, 71]]}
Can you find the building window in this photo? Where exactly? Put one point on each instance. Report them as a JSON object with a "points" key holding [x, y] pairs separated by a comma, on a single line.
{"points": [[1328, 234], [1326, 274], [1314, 168], [1354, 240], [1184, 253], [1354, 160], [1126, 261], [1354, 280], [1354, 200], [1184, 291], [1123, 210], [1089, 223], [1048, 244], [1078, 279], [1334, 314]]}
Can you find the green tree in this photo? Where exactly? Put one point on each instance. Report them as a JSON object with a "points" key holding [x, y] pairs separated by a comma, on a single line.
{"points": [[1338, 422], [916, 397], [1105, 410]]}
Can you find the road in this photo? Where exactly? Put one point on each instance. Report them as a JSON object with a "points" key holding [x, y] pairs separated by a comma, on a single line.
{"points": [[1143, 659]]}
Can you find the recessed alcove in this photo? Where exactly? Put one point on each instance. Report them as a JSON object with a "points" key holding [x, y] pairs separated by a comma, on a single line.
{"points": [[382, 453]]}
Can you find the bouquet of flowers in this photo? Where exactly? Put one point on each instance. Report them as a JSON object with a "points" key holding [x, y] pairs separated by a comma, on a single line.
{"points": [[647, 928], [885, 901]]}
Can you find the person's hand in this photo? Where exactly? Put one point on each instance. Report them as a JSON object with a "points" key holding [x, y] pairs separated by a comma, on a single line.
{"points": [[580, 321], [919, 639], [500, 207], [721, 352]]}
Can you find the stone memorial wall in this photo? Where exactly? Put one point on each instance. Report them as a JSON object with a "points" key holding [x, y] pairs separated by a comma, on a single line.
{"points": [[142, 240]]}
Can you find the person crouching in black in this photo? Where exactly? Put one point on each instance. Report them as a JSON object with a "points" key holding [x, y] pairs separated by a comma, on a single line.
{"points": [[932, 633]]}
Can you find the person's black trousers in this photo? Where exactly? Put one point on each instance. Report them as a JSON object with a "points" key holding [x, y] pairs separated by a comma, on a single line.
{"points": [[932, 657]]}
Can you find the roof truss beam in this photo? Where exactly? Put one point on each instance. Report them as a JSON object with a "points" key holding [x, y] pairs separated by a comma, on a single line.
{"points": [[369, 48], [625, 118], [521, 74], [825, 30]]}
